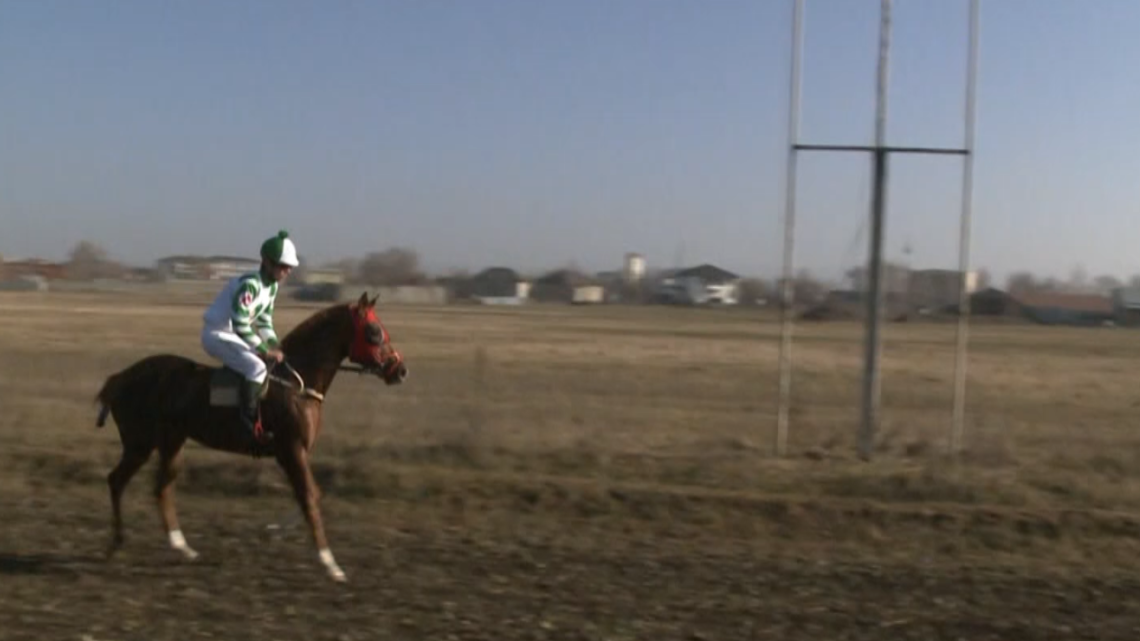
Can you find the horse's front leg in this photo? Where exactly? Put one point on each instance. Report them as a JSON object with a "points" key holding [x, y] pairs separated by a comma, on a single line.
{"points": [[294, 460]]}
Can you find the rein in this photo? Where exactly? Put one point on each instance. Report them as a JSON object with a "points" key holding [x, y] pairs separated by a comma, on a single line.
{"points": [[297, 384]]}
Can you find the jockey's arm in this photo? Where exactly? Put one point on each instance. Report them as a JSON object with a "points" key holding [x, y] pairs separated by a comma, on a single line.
{"points": [[243, 320], [263, 325]]}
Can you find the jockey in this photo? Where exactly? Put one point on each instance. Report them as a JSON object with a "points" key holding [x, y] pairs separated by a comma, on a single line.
{"points": [[238, 326]]}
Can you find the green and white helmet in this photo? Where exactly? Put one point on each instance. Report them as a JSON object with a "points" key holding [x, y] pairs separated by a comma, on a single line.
{"points": [[280, 250]]}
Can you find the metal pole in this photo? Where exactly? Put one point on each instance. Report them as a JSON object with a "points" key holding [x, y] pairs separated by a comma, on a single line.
{"points": [[788, 292], [871, 374], [960, 362]]}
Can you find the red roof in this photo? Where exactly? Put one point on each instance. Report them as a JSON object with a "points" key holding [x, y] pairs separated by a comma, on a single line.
{"points": [[50, 271], [1074, 302]]}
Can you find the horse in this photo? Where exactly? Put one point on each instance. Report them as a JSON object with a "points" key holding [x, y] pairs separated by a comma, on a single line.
{"points": [[161, 401]]}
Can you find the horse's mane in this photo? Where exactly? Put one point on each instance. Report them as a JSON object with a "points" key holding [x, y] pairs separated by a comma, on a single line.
{"points": [[312, 326]]}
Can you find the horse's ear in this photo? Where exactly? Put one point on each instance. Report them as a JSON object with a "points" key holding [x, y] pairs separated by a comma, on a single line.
{"points": [[374, 299], [362, 303]]}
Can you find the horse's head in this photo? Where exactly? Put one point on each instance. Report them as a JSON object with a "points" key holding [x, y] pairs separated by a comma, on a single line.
{"points": [[372, 346]]}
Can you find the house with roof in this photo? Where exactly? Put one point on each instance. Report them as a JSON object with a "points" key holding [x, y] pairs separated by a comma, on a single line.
{"points": [[1062, 308], [704, 284]]}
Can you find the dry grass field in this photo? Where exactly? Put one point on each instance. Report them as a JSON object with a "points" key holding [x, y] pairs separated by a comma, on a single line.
{"points": [[592, 473]]}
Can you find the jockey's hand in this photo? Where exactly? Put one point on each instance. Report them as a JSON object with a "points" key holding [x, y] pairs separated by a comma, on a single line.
{"points": [[274, 354]]}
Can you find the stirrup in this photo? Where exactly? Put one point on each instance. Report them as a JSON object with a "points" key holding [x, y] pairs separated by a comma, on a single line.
{"points": [[255, 428], [260, 434]]}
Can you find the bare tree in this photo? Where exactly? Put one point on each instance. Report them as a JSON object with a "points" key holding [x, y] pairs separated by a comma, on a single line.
{"points": [[1021, 283], [395, 266], [985, 280], [1107, 283], [752, 291], [1078, 278], [350, 267], [806, 289], [89, 261], [301, 271]]}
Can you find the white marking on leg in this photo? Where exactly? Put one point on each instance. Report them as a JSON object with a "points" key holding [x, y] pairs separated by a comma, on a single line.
{"points": [[330, 564], [178, 542]]}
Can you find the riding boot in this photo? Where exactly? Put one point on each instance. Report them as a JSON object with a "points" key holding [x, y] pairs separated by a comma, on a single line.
{"points": [[250, 415]]}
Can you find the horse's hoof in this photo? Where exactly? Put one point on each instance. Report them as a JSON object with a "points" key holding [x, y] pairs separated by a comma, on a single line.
{"points": [[188, 553], [335, 573], [178, 542]]}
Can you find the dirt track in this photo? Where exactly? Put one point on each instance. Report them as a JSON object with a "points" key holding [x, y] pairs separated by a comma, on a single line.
{"points": [[480, 569], [541, 496]]}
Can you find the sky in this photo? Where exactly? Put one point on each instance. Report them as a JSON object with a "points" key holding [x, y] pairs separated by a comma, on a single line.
{"points": [[543, 134]]}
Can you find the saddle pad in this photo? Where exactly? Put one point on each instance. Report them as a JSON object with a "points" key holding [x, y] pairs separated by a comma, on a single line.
{"points": [[224, 385]]}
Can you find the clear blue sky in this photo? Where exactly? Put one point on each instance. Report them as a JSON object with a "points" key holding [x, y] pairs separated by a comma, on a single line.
{"points": [[538, 133]]}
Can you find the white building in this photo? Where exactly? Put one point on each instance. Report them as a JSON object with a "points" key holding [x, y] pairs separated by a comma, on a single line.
{"points": [[938, 288], [701, 285]]}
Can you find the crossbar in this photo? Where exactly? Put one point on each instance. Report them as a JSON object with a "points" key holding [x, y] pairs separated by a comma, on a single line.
{"points": [[946, 151]]}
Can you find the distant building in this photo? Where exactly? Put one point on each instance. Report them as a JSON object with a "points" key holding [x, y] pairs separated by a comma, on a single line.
{"points": [[227, 267], [992, 301], [34, 267], [633, 269], [930, 289], [205, 267], [181, 267], [1051, 308], [567, 286], [937, 289], [324, 276], [895, 278], [494, 286], [700, 285], [1126, 306]]}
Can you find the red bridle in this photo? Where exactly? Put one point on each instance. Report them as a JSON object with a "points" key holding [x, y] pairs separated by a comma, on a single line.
{"points": [[371, 345]]}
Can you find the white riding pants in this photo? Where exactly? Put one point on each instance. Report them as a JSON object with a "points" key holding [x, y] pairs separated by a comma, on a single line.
{"points": [[235, 353]]}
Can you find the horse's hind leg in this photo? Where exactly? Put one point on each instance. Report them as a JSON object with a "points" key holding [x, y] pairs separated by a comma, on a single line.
{"points": [[131, 460], [169, 464]]}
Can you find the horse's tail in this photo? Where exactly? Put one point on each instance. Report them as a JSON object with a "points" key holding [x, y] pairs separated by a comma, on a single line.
{"points": [[106, 397]]}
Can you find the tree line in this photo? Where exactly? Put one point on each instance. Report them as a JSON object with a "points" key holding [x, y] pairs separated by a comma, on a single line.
{"points": [[394, 266]]}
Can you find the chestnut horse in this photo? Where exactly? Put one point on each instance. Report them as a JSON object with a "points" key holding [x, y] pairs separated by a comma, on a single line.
{"points": [[162, 400]]}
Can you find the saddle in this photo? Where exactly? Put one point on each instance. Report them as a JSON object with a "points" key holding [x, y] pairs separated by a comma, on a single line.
{"points": [[225, 384], [224, 387]]}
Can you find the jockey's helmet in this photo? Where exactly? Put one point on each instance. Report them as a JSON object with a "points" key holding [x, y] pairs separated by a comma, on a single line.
{"points": [[280, 250]]}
